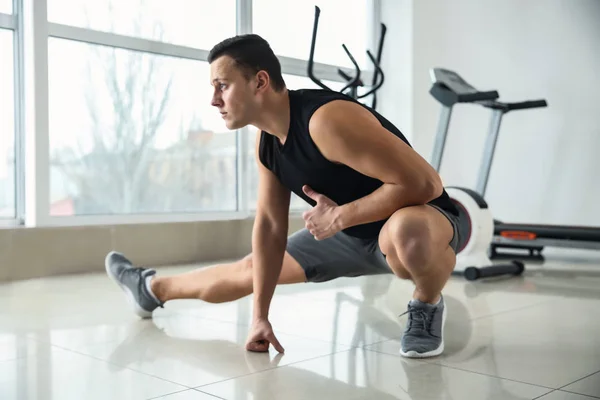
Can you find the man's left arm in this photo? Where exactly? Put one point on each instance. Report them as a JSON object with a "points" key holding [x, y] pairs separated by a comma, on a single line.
{"points": [[349, 134]]}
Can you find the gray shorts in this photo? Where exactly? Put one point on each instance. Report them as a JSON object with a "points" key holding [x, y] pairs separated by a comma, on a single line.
{"points": [[345, 256]]}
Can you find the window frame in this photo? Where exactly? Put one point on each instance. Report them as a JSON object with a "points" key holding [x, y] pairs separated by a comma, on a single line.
{"points": [[32, 129], [12, 22]]}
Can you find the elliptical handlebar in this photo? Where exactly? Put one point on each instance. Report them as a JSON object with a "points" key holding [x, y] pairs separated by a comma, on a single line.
{"points": [[311, 75], [344, 75], [380, 70], [355, 81], [376, 87], [352, 82]]}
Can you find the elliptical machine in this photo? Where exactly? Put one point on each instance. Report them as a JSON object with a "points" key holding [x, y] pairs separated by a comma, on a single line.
{"points": [[353, 83]]}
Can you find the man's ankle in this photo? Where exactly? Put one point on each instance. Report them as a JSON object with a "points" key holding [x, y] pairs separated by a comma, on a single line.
{"points": [[157, 288], [428, 299]]}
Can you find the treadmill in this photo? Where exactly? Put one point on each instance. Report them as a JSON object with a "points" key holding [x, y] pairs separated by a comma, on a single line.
{"points": [[525, 240]]}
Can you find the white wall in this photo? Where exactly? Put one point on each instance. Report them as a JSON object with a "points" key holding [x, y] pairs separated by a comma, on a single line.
{"points": [[547, 160]]}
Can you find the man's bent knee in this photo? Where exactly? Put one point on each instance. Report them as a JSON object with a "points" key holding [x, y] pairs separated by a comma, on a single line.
{"points": [[409, 234]]}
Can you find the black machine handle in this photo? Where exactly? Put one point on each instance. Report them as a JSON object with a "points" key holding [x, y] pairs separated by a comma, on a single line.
{"points": [[527, 104], [355, 81], [344, 75], [376, 87], [311, 75], [522, 105], [378, 70], [478, 96]]}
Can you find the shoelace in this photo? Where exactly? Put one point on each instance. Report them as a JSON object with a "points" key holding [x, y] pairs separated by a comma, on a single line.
{"points": [[418, 318]]}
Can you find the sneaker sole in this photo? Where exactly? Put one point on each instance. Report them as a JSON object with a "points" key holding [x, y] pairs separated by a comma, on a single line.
{"points": [[128, 293], [432, 353]]}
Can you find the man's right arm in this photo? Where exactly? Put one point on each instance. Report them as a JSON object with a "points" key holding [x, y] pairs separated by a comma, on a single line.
{"points": [[269, 236]]}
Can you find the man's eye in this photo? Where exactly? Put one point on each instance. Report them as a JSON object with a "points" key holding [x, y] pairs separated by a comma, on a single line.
{"points": [[222, 86]]}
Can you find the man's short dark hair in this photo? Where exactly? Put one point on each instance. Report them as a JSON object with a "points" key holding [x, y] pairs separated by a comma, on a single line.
{"points": [[251, 53]]}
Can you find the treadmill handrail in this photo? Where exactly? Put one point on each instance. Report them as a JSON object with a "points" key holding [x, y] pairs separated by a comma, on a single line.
{"points": [[523, 105], [478, 96]]}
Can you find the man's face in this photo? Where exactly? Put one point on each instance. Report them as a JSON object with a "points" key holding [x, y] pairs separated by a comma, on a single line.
{"points": [[233, 95]]}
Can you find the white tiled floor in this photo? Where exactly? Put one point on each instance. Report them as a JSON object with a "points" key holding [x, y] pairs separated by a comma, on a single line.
{"points": [[532, 337]]}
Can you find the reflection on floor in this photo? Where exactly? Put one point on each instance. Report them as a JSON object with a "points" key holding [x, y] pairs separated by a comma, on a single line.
{"points": [[531, 337]]}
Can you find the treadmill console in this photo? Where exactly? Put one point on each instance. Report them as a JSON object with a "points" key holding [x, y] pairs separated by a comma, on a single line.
{"points": [[449, 88], [451, 81]]}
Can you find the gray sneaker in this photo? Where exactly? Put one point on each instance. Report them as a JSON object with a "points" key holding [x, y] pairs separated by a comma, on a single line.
{"points": [[423, 335], [133, 282]]}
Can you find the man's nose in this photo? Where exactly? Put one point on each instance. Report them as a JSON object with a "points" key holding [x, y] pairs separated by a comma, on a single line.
{"points": [[216, 100]]}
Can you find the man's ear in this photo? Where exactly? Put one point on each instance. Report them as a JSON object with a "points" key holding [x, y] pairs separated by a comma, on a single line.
{"points": [[262, 80]]}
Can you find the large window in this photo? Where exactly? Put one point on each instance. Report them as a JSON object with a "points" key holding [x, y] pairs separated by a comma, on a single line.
{"points": [[7, 129], [194, 23], [133, 132], [341, 22]]}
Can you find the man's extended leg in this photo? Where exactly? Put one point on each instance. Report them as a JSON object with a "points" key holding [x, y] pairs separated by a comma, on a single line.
{"points": [[416, 241], [215, 284]]}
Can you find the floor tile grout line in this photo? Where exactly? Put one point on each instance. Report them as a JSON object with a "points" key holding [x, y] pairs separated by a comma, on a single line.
{"points": [[509, 311], [121, 366], [491, 376], [168, 394], [587, 376], [364, 346], [581, 394], [425, 361], [545, 394], [567, 391], [272, 368], [185, 390], [209, 394]]}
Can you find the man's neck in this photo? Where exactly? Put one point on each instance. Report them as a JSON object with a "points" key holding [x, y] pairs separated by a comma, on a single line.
{"points": [[275, 115]]}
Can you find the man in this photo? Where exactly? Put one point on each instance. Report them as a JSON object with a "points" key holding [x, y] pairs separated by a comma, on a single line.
{"points": [[378, 206]]}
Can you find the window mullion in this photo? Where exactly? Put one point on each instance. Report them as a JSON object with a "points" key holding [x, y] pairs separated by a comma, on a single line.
{"points": [[36, 121], [19, 109], [243, 26]]}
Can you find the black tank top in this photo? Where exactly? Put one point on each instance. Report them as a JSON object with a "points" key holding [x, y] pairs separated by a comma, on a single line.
{"points": [[299, 162]]}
